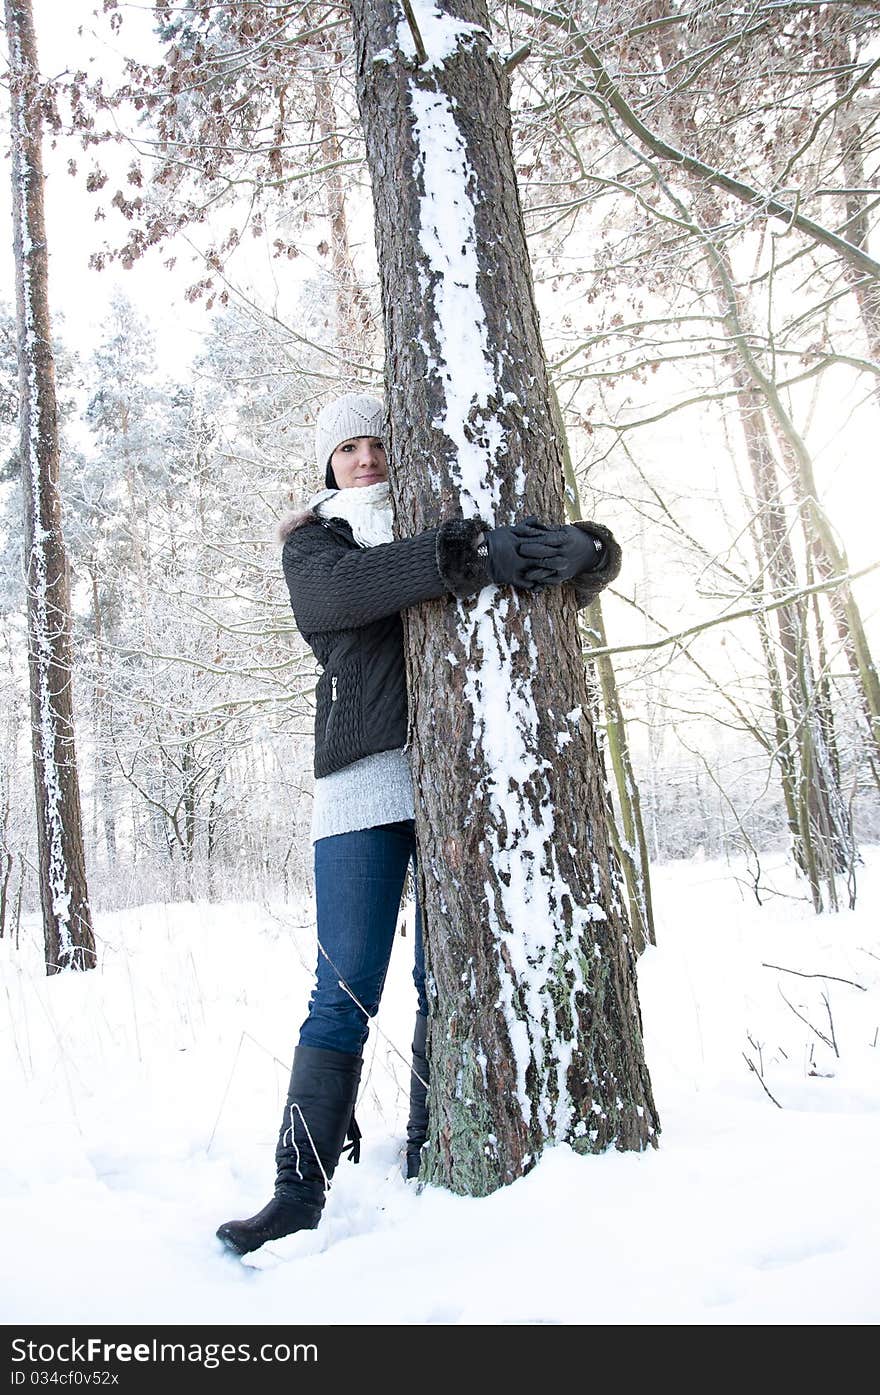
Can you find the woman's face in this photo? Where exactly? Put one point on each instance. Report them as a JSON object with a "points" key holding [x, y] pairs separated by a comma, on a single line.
{"points": [[359, 461]]}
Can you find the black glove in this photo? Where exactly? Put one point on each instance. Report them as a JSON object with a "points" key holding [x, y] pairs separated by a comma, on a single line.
{"points": [[562, 550], [507, 567]]}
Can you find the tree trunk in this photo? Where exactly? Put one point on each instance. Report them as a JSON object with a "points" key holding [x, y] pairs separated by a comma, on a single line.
{"points": [[102, 763], [831, 560], [535, 1028], [67, 927], [853, 141], [8, 769], [630, 844], [826, 843], [352, 306], [817, 856]]}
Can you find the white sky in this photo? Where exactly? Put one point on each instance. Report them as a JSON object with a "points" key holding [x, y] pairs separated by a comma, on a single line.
{"points": [[78, 293]]}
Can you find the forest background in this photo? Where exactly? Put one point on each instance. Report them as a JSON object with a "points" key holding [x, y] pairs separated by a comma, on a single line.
{"points": [[213, 282]]}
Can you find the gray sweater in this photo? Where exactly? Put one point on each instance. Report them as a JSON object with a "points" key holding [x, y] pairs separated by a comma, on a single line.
{"points": [[376, 789]]}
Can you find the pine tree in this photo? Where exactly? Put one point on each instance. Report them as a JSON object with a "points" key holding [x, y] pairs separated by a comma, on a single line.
{"points": [[536, 1034]]}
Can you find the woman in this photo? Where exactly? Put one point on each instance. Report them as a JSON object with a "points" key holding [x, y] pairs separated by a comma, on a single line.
{"points": [[349, 580]]}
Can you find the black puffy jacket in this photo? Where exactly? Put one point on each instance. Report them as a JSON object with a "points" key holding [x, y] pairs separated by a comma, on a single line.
{"points": [[347, 601]]}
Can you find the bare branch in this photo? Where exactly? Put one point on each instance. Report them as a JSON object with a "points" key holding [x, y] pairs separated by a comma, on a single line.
{"points": [[607, 93], [833, 977], [747, 612], [754, 1069]]}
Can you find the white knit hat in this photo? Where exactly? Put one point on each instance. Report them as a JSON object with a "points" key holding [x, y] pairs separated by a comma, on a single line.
{"points": [[353, 414]]}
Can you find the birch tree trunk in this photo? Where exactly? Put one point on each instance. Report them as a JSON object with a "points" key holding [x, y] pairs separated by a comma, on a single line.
{"points": [[535, 1032], [67, 926]]}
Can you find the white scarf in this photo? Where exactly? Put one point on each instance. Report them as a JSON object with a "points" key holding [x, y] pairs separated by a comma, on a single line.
{"points": [[366, 507]]}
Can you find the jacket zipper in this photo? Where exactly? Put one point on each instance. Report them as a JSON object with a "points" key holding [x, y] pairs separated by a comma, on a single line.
{"points": [[330, 710]]}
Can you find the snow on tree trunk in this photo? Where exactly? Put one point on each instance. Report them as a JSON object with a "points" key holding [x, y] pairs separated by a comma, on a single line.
{"points": [[67, 927], [535, 1029]]}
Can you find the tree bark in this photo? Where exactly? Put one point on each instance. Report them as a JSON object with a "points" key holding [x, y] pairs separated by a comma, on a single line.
{"points": [[352, 307], [535, 1030], [630, 843], [67, 925]]}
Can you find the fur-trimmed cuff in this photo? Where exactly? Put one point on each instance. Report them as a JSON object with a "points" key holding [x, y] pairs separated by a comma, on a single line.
{"points": [[463, 570], [587, 585]]}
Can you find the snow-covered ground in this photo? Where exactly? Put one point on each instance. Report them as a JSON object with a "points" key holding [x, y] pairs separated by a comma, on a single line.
{"points": [[141, 1102]]}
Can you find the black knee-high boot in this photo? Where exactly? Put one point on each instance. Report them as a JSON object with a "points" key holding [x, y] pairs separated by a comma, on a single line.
{"points": [[318, 1115], [417, 1127]]}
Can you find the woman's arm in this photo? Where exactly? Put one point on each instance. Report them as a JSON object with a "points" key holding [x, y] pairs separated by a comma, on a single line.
{"points": [[336, 587], [587, 585]]}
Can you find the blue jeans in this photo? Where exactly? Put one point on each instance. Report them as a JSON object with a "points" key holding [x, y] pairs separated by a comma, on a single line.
{"points": [[359, 880]]}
